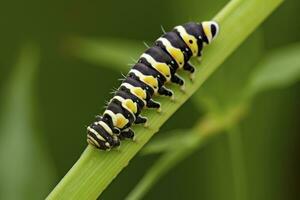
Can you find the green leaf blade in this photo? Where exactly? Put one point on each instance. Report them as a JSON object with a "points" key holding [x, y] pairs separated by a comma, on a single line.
{"points": [[279, 69], [21, 153], [111, 53]]}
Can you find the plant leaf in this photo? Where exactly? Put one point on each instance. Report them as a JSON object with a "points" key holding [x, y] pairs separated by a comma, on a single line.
{"points": [[173, 140], [21, 154], [157, 170], [279, 69], [112, 53]]}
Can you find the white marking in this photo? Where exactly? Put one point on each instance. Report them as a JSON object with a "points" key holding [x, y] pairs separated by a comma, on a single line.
{"points": [[141, 77], [107, 144], [96, 133], [129, 86], [134, 139], [106, 127], [92, 141], [168, 46], [112, 115], [183, 33], [153, 63], [207, 30], [121, 99], [115, 138]]}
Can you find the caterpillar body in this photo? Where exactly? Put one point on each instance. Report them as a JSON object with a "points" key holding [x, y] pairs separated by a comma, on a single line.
{"points": [[156, 67]]}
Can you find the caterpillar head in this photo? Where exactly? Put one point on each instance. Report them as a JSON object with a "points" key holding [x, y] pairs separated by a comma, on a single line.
{"points": [[210, 30], [100, 135]]}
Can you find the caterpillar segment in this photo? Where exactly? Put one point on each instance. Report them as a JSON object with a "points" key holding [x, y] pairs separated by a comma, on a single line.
{"points": [[140, 90], [154, 79], [156, 67]]}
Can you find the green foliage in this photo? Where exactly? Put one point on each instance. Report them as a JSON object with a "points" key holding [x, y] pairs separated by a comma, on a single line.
{"points": [[25, 167], [111, 53], [95, 170], [278, 69], [237, 137]]}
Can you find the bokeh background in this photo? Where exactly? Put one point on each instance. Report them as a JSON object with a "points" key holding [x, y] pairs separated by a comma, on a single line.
{"points": [[55, 76]]}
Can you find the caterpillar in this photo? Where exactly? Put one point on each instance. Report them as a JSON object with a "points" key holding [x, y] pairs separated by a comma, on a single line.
{"points": [[147, 78]]}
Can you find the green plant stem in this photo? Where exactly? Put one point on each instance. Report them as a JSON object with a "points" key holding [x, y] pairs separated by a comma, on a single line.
{"points": [[95, 169], [238, 163], [205, 129], [160, 168]]}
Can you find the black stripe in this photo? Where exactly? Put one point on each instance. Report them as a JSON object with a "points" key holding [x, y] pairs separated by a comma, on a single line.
{"points": [[173, 64], [99, 129], [149, 71], [161, 76], [133, 80], [203, 35], [175, 39], [100, 142], [161, 55], [196, 30], [128, 95], [213, 29], [116, 107]]}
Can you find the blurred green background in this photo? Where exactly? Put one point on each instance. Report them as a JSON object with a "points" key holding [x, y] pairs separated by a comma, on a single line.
{"points": [[51, 88]]}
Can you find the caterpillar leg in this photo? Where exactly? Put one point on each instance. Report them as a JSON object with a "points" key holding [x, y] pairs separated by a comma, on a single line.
{"points": [[116, 131], [164, 91], [153, 104], [140, 120], [191, 69], [127, 133], [116, 141], [177, 79]]}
